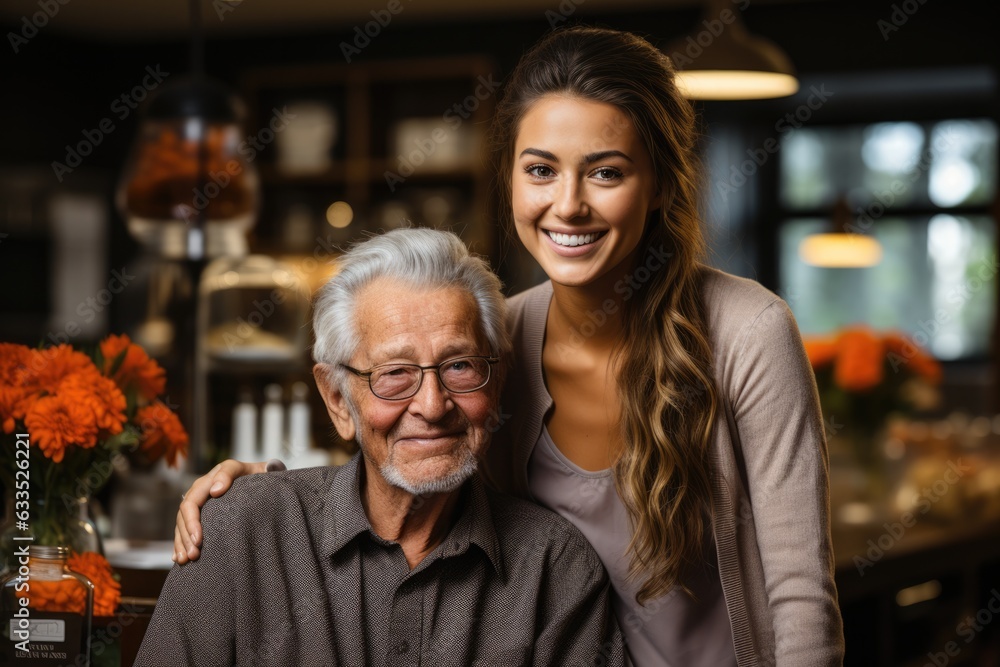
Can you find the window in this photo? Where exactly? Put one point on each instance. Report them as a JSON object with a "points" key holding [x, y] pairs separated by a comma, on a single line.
{"points": [[923, 190]]}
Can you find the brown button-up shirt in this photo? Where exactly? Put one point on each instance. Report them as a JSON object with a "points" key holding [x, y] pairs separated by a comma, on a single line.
{"points": [[291, 573]]}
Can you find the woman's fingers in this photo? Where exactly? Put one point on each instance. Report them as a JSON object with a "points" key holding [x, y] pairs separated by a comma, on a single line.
{"points": [[214, 483], [180, 551]]}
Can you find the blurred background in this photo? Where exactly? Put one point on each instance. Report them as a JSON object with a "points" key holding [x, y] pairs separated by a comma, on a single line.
{"points": [[187, 177]]}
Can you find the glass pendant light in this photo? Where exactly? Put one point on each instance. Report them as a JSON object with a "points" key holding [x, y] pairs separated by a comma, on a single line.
{"points": [[186, 192]]}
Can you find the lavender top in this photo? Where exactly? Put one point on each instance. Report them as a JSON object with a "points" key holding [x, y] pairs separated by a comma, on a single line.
{"points": [[671, 630]]}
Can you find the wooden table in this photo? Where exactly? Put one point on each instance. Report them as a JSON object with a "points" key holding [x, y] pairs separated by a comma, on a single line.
{"points": [[907, 592]]}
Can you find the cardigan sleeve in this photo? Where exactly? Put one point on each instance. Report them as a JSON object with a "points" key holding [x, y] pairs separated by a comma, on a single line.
{"points": [[780, 425]]}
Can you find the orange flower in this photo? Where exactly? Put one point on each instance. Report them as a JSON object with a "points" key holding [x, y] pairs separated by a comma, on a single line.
{"points": [[860, 361], [137, 370], [70, 596], [56, 422], [11, 407], [821, 351], [107, 590], [47, 368], [162, 433], [903, 351], [13, 363], [101, 395]]}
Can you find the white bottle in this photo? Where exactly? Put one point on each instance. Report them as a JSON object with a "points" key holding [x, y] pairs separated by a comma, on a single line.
{"points": [[301, 453], [272, 417], [244, 446], [298, 421]]}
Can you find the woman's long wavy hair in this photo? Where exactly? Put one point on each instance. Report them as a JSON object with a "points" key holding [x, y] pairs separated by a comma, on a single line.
{"points": [[665, 385]]}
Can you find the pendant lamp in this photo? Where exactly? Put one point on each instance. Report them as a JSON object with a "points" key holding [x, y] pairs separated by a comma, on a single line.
{"points": [[186, 192], [721, 60], [840, 248]]}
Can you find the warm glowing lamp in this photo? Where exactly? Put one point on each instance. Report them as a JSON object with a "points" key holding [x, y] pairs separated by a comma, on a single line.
{"points": [[723, 61], [841, 248], [840, 251]]}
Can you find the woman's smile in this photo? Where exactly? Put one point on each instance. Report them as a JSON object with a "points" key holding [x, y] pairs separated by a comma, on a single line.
{"points": [[574, 244]]}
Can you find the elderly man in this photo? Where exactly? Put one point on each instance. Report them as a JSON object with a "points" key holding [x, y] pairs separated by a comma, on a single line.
{"points": [[401, 556]]}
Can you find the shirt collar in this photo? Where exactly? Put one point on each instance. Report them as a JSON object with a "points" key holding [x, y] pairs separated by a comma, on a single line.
{"points": [[345, 515], [346, 518], [474, 525]]}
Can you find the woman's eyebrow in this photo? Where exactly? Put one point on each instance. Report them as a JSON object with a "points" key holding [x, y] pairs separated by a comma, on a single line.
{"points": [[590, 158], [537, 152]]}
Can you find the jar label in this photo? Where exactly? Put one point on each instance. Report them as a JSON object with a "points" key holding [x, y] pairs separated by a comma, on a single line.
{"points": [[47, 630], [52, 640]]}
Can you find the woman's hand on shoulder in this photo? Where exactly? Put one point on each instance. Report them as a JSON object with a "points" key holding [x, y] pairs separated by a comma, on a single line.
{"points": [[214, 483]]}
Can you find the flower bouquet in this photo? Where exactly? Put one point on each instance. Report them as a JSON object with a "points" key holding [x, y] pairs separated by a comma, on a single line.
{"points": [[69, 420], [864, 377]]}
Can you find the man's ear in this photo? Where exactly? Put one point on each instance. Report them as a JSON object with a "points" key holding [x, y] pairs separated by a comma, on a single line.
{"points": [[336, 402]]}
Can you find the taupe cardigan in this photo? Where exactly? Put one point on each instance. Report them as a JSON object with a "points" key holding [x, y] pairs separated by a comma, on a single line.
{"points": [[770, 480]]}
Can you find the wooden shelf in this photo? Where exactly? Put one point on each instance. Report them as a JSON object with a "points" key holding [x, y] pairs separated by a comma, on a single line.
{"points": [[369, 100]]}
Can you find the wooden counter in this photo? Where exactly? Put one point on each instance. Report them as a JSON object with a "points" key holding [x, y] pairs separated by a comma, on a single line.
{"points": [[908, 593]]}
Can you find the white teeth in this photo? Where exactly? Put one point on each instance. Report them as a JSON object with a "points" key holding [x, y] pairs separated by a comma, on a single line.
{"points": [[572, 240]]}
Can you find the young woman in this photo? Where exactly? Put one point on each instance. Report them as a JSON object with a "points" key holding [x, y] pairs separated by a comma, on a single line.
{"points": [[665, 408]]}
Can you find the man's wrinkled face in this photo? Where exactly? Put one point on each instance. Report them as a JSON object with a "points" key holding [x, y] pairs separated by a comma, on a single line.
{"points": [[431, 442]]}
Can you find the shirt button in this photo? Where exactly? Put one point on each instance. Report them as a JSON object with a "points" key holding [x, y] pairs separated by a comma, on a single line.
{"points": [[402, 647]]}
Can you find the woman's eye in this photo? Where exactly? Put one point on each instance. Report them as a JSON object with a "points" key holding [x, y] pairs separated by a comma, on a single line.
{"points": [[607, 174], [539, 171]]}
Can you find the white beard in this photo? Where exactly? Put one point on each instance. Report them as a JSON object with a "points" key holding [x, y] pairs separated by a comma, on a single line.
{"points": [[391, 474], [446, 484]]}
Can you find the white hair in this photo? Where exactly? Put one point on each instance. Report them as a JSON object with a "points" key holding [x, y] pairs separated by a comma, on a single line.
{"points": [[423, 258]]}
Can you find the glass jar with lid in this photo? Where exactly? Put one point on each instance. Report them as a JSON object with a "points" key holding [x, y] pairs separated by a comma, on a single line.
{"points": [[254, 312], [48, 610]]}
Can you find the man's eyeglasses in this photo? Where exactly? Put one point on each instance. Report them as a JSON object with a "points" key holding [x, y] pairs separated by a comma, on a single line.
{"points": [[395, 382]]}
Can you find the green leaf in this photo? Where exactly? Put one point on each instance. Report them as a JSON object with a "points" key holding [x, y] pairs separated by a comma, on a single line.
{"points": [[118, 361]]}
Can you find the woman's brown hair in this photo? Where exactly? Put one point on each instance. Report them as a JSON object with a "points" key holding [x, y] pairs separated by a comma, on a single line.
{"points": [[666, 387]]}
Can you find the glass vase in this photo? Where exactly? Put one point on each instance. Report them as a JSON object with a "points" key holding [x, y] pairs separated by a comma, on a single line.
{"points": [[66, 521], [860, 482]]}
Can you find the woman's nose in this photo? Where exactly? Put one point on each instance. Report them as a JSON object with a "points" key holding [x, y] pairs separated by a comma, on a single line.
{"points": [[569, 201]]}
